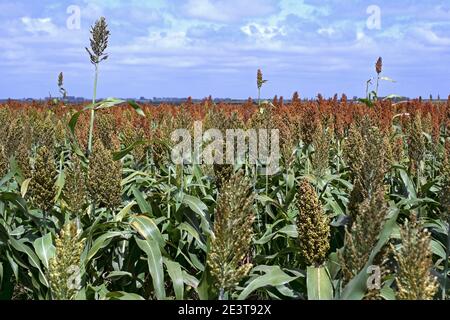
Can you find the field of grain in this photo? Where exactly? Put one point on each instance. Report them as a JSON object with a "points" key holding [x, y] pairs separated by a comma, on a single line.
{"points": [[357, 210]]}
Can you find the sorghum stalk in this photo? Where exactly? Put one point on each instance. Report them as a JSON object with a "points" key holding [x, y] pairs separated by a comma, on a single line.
{"points": [[99, 43], [92, 121]]}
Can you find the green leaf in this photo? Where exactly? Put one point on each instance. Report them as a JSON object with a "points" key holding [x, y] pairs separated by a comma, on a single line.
{"points": [[438, 249], [387, 79], [108, 103], [6, 282], [121, 295], [357, 287], [100, 243], [32, 258], [148, 229], [176, 274], [124, 152], [194, 233], [273, 276], [408, 184], [124, 212], [289, 230], [73, 121], [319, 284], [392, 96], [196, 205], [45, 249], [136, 107], [24, 187], [60, 184], [367, 102], [142, 203], [387, 293], [155, 265]]}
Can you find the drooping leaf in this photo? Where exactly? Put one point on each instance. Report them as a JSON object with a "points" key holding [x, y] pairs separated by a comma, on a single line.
{"points": [[148, 229], [272, 276], [155, 265], [176, 274]]}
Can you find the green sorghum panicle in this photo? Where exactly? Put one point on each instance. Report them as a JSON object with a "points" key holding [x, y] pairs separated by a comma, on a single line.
{"points": [[75, 190], [233, 233], [313, 226], [4, 163], [414, 259], [104, 177], [362, 236], [43, 177], [99, 41], [66, 263]]}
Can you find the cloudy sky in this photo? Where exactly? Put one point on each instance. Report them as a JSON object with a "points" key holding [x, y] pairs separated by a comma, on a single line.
{"points": [[202, 47]]}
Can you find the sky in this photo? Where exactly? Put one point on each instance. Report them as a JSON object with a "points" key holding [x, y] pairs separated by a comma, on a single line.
{"points": [[180, 48]]}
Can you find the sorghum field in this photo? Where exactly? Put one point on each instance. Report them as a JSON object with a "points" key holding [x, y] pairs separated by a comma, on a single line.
{"points": [[92, 205], [358, 210]]}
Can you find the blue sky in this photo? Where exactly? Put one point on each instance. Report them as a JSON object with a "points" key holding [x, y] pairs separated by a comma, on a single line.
{"points": [[202, 47]]}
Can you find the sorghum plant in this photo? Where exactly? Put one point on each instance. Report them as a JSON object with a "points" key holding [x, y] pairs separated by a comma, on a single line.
{"points": [[104, 177], [61, 85], [313, 226], [75, 191], [43, 178], [63, 268], [259, 83], [233, 233], [362, 236], [414, 280], [99, 43]]}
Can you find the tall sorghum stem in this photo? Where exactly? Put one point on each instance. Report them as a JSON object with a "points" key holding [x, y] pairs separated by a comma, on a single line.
{"points": [[378, 85], [91, 124], [259, 96], [168, 195]]}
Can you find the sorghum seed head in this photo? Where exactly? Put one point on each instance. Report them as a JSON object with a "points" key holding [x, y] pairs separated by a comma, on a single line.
{"points": [[42, 184], [379, 65], [4, 163], [104, 177], [362, 236], [75, 191], [313, 226], [65, 262], [99, 41], [259, 79], [233, 233], [60, 80], [414, 259]]}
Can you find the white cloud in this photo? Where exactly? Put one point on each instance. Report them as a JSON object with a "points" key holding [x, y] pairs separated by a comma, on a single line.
{"points": [[431, 37], [229, 10], [326, 31], [262, 32], [39, 25]]}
